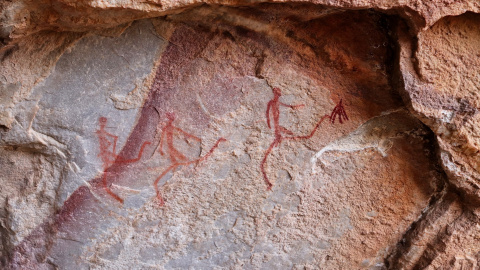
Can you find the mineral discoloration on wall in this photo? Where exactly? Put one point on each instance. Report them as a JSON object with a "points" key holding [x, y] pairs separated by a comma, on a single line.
{"points": [[368, 193]]}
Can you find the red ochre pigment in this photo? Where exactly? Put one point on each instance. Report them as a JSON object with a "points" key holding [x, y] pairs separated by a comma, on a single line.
{"points": [[79, 209], [82, 202], [273, 108], [109, 157], [176, 158]]}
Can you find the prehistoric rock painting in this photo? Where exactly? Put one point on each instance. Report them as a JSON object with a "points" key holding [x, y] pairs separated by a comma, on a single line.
{"points": [[273, 108], [176, 157], [108, 154], [217, 74]]}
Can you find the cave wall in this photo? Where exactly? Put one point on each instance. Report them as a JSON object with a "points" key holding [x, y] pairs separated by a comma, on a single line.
{"points": [[172, 135]]}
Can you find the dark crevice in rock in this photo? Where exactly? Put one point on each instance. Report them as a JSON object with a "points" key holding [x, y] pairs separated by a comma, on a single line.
{"points": [[446, 206], [438, 246], [400, 258]]}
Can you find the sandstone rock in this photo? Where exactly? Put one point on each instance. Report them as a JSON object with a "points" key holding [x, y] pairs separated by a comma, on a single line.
{"points": [[448, 106], [23, 17], [331, 134]]}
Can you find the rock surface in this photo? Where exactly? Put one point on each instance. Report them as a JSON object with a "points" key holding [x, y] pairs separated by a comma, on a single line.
{"points": [[233, 134]]}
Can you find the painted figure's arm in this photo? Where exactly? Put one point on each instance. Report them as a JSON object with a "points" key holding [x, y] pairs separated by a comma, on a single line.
{"points": [[115, 139], [188, 134], [292, 106]]}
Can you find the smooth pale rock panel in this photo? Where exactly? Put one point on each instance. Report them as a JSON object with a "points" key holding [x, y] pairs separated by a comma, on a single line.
{"points": [[25, 63], [257, 140], [97, 78], [55, 127]]}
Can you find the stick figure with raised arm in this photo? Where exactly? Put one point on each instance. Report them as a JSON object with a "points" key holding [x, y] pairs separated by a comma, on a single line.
{"points": [[176, 157], [168, 131], [273, 108], [109, 157]]}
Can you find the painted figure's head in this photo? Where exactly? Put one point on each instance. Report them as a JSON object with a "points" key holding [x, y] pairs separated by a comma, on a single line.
{"points": [[277, 92], [170, 116], [103, 121]]}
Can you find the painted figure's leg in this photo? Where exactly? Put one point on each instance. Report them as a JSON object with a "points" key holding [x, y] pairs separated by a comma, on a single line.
{"points": [[172, 167], [155, 184], [175, 154], [108, 190], [285, 131], [140, 153], [262, 165], [212, 149]]}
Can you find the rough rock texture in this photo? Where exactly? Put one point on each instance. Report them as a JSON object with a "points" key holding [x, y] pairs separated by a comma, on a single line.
{"points": [[21, 17], [442, 87], [239, 135]]}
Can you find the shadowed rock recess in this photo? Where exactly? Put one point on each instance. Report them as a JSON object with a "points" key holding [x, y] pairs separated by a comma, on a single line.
{"points": [[215, 134]]}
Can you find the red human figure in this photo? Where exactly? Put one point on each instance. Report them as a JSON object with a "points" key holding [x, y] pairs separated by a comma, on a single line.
{"points": [[109, 157], [168, 131], [273, 107], [176, 157]]}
